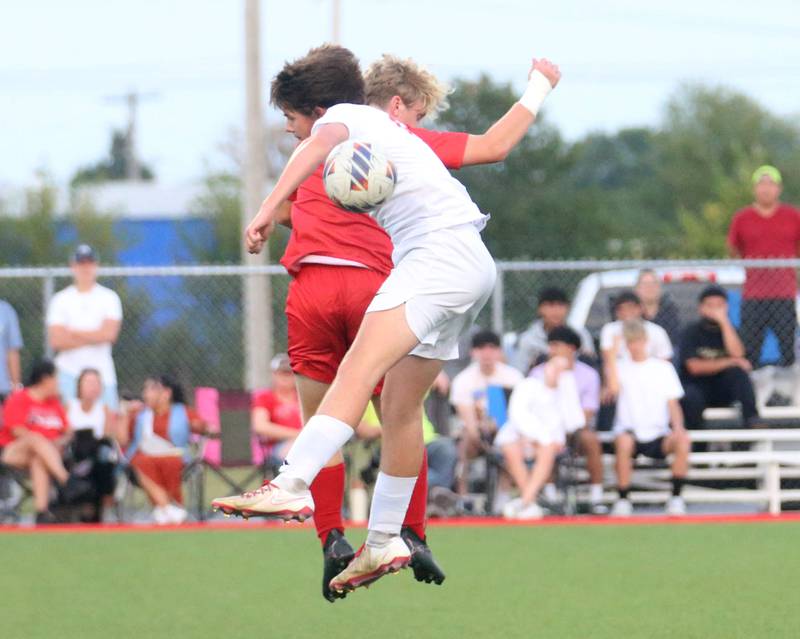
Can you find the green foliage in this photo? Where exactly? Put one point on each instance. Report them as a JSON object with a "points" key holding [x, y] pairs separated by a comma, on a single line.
{"points": [[114, 167]]}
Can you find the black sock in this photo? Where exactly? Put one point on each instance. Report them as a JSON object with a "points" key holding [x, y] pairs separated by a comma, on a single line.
{"points": [[677, 486], [623, 492]]}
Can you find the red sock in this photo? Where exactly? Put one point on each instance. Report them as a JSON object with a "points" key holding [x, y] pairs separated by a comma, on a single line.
{"points": [[417, 507], [327, 489]]}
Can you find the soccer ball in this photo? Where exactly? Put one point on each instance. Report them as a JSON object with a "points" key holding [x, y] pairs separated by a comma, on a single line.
{"points": [[358, 177]]}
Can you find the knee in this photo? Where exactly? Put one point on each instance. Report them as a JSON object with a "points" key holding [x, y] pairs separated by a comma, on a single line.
{"points": [[624, 445], [682, 443]]}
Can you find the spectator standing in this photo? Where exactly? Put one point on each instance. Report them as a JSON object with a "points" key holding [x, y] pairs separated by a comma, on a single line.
{"points": [[768, 228], [714, 368], [94, 428], [160, 427], [275, 417], [83, 323], [649, 390], [552, 313], [33, 435], [656, 306], [469, 394], [10, 346]]}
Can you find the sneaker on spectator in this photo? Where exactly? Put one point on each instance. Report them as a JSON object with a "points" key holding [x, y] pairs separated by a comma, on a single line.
{"points": [[531, 511], [45, 518], [444, 500], [161, 515], [622, 508], [176, 514], [676, 506], [598, 508], [511, 508]]}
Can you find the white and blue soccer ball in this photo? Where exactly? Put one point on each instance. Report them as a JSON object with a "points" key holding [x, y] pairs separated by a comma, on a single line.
{"points": [[358, 177]]}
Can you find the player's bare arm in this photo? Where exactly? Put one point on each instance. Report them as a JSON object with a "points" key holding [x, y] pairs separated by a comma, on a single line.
{"points": [[505, 134], [300, 166]]}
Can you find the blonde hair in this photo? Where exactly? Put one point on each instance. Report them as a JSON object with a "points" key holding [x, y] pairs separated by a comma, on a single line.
{"points": [[390, 76], [633, 330]]}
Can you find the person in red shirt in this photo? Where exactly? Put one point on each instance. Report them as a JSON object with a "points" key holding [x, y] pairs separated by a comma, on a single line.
{"points": [[159, 428], [768, 228], [275, 416], [33, 436], [339, 260]]}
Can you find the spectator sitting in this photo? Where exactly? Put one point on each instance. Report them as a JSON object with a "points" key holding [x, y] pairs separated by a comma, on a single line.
{"points": [[93, 424], [10, 345], [442, 454], [83, 322], [649, 390], [552, 310], [34, 433], [564, 342], [275, 417], [542, 410], [469, 394], [714, 368], [656, 307], [160, 427]]}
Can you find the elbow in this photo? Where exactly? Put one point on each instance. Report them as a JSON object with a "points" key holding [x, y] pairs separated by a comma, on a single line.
{"points": [[498, 151]]}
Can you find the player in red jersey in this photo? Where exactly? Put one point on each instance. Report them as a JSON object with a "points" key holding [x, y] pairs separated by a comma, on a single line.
{"points": [[339, 260]]}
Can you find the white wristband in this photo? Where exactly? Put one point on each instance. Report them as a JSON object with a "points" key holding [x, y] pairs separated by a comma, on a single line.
{"points": [[537, 90]]}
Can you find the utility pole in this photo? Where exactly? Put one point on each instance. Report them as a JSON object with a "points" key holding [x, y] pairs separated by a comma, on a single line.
{"points": [[257, 291], [337, 22], [131, 99]]}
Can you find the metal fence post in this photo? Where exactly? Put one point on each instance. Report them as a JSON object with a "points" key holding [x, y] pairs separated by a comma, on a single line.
{"points": [[48, 290], [498, 301]]}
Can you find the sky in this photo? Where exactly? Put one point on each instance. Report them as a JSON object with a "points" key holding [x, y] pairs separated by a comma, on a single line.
{"points": [[63, 63]]}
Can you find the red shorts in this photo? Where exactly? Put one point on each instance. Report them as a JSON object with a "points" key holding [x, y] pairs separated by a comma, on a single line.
{"points": [[324, 309]]}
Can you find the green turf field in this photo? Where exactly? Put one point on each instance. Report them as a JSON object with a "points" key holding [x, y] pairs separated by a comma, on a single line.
{"points": [[711, 580]]}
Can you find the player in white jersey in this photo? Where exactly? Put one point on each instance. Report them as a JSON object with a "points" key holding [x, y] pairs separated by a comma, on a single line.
{"points": [[442, 277]]}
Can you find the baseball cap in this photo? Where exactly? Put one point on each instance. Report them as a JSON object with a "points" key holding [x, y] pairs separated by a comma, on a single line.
{"points": [[280, 363], [565, 335], [485, 338], [767, 170], [84, 253]]}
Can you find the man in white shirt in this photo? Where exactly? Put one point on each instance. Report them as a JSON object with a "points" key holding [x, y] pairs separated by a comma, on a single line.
{"points": [[649, 390], [83, 323], [469, 395]]}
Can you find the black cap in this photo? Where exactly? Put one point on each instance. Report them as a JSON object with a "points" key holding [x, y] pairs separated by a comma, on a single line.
{"points": [[566, 335], [485, 338], [84, 253], [553, 294], [713, 291], [626, 297]]}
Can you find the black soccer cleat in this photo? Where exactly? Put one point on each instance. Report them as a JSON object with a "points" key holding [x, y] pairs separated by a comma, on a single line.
{"points": [[422, 562], [337, 553]]}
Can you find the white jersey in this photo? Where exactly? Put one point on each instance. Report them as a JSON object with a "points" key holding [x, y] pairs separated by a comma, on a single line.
{"points": [[426, 197]]}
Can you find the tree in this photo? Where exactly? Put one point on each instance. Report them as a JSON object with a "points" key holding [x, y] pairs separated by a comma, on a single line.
{"points": [[114, 167]]}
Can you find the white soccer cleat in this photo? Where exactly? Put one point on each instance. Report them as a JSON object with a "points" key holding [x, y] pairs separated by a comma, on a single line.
{"points": [[269, 501], [371, 563], [622, 508], [676, 507]]}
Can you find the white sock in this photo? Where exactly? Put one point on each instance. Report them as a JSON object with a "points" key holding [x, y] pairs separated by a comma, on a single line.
{"points": [[390, 503], [320, 439], [596, 493]]}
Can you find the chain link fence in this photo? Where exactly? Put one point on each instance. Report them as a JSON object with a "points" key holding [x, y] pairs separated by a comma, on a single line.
{"points": [[187, 321]]}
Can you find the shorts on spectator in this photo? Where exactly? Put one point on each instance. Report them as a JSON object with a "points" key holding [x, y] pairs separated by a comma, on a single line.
{"points": [[654, 449], [510, 433]]}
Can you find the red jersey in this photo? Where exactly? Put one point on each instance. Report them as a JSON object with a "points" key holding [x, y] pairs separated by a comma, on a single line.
{"points": [[282, 413], [321, 228], [46, 417], [756, 237]]}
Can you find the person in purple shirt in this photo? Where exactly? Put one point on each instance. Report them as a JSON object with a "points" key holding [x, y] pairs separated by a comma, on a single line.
{"points": [[564, 342]]}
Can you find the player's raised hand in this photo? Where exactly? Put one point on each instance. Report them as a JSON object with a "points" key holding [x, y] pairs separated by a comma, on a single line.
{"points": [[547, 69]]}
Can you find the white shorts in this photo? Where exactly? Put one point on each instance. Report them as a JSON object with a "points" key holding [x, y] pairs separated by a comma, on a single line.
{"points": [[444, 282], [541, 434]]}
